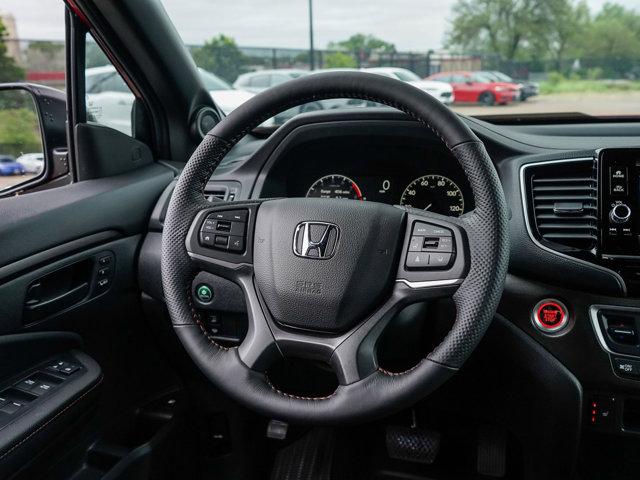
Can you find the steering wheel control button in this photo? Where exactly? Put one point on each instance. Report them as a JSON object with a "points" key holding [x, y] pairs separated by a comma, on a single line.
{"points": [[433, 239], [428, 230], [204, 293], [550, 316], [225, 230], [221, 241], [439, 259], [206, 239], [231, 215], [416, 244], [236, 243], [418, 260]]}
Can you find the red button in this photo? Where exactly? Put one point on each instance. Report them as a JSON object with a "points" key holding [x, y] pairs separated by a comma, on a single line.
{"points": [[550, 315]]}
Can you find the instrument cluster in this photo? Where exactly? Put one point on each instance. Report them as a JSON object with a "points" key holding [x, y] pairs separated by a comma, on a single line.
{"points": [[432, 192]]}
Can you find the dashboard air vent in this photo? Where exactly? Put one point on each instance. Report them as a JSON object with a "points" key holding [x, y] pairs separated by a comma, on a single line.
{"points": [[564, 204]]}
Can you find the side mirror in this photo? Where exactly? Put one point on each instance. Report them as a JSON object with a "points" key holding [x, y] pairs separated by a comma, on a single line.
{"points": [[33, 138]]}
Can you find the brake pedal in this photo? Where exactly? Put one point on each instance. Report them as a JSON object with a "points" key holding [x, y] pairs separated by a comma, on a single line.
{"points": [[412, 444]]}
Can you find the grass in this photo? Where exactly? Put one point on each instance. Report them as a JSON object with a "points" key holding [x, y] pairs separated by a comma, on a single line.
{"points": [[589, 86]]}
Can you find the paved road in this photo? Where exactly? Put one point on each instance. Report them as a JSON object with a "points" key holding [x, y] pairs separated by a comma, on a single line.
{"points": [[599, 104], [12, 180]]}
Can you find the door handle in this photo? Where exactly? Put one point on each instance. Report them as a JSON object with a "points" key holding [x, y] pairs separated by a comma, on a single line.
{"points": [[43, 308]]}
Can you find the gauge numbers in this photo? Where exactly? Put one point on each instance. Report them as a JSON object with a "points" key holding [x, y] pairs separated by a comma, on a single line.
{"points": [[434, 193]]}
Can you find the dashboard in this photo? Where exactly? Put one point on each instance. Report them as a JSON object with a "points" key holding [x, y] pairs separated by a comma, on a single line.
{"points": [[395, 171], [574, 202]]}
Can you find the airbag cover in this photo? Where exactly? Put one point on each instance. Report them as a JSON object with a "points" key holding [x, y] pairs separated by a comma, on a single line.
{"points": [[328, 294]]}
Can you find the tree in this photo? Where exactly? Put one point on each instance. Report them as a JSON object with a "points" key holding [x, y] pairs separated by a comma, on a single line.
{"points": [[563, 30], [500, 27], [339, 60], [221, 56], [9, 71], [613, 38], [361, 46]]}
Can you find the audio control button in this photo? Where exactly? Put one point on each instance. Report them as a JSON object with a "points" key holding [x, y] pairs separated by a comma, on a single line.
{"points": [[620, 213]]}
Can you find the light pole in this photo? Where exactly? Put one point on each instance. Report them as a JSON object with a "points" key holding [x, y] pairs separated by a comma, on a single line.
{"points": [[312, 53]]}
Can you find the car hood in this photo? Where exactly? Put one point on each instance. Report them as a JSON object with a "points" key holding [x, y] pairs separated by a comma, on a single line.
{"points": [[229, 100], [432, 86]]}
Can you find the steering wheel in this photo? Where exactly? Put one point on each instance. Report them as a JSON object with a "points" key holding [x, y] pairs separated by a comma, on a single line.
{"points": [[322, 277]]}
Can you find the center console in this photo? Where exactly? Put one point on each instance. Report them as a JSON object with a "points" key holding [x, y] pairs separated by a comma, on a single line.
{"points": [[619, 191]]}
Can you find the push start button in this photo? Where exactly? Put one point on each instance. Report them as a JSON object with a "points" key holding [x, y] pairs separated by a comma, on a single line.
{"points": [[550, 315]]}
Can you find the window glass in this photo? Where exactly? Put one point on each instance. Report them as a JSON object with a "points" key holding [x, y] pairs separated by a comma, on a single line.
{"points": [[407, 76], [213, 82], [259, 81], [109, 101]]}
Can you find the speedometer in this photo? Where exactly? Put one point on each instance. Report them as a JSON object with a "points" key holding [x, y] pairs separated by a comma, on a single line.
{"points": [[335, 186], [434, 193]]}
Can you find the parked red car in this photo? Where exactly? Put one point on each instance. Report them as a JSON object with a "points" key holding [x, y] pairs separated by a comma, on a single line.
{"points": [[475, 87]]}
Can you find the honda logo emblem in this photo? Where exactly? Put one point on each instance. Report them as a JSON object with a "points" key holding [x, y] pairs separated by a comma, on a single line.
{"points": [[315, 240]]}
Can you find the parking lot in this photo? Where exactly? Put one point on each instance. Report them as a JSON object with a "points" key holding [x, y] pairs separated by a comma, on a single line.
{"points": [[11, 180], [598, 104]]}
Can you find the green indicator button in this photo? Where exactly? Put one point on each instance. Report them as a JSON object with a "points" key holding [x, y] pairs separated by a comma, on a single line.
{"points": [[204, 293]]}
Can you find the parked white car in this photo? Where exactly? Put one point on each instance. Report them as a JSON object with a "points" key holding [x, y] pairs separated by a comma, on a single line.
{"points": [[260, 80], [109, 100], [32, 162], [440, 90]]}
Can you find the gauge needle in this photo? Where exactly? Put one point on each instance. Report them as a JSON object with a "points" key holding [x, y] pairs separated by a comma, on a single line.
{"points": [[428, 206]]}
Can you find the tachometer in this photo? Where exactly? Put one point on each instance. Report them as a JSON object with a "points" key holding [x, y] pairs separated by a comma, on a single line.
{"points": [[434, 193], [335, 186]]}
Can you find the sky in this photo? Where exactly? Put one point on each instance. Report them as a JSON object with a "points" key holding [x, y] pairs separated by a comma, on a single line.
{"points": [[417, 25]]}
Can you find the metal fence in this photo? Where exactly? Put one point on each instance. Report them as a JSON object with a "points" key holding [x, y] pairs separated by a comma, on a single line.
{"points": [[44, 62]]}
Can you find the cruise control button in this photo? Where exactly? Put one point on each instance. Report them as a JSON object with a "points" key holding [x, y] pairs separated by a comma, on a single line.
{"points": [[415, 245], [438, 259], [417, 260], [428, 230], [439, 244]]}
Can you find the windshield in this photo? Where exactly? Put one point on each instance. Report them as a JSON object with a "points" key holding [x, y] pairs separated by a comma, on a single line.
{"points": [[567, 56], [580, 57], [211, 82], [407, 76]]}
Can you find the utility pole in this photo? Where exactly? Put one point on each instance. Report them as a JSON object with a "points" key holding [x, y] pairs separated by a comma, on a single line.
{"points": [[312, 53]]}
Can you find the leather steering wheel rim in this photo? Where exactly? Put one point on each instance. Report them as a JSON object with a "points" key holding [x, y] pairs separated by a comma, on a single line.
{"points": [[476, 298]]}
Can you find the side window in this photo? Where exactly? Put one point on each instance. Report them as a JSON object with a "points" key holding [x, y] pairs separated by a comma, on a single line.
{"points": [[108, 99], [444, 78]]}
